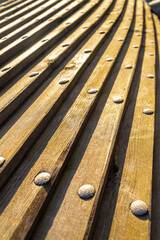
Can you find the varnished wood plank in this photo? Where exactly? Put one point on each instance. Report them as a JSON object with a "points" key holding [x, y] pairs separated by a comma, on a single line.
{"points": [[58, 147], [136, 182], [8, 100]]}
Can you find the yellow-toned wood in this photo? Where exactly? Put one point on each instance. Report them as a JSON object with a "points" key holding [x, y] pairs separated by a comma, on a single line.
{"points": [[136, 182], [60, 145]]}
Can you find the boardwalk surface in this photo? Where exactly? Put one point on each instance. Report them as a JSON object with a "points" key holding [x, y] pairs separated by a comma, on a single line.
{"points": [[79, 120]]}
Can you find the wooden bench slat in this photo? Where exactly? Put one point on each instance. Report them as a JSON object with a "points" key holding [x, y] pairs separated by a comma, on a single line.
{"points": [[58, 147], [136, 182]]}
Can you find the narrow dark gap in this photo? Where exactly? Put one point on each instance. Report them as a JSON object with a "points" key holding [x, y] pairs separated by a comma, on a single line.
{"points": [[155, 211], [10, 121], [109, 199]]}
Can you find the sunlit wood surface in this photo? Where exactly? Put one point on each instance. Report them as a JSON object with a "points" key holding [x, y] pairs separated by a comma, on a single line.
{"points": [[79, 101]]}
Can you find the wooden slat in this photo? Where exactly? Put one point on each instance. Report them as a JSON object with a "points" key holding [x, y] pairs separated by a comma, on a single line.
{"points": [[8, 100], [51, 105], [92, 169], [58, 147], [137, 172], [8, 4]]}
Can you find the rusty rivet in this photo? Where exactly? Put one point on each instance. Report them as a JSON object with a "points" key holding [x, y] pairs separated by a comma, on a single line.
{"points": [[33, 74], [101, 32], [128, 66], [92, 91], [138, 208], [148, 111], [24, 37], [135, 46], [109, 59], [87, 50], [65, 45], [42, 178], [63, 81], [2, 160], [120, 39], [150, 76], [117, 100], [86, 191], [5, 68]]}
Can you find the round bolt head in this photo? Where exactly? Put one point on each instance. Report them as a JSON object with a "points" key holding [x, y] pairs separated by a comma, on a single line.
{"points": [[63, 81], [128, 66], [87, 50], [109, 59], [33, 74], [42, 178], [5, 68], [117, 100], [24, 37], [65, 45], [101, 32], [92, 91], [148, 111], [44, 40], [135, 46], [150, 76], [2, 160], [139, 208], [86, 191], [120, 39]]}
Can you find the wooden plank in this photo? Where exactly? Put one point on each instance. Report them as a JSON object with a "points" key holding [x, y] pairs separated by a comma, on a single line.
{"points": [[28, 25], [136, 182], [15, 24], [58, 147], [10, 50], [53, 99], [24, 87], [17, 8], [38, 5], [75, 213]]}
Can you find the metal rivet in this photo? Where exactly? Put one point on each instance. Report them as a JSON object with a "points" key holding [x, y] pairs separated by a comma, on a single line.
{"points": [[111, 21], [151, 41], [42, 178], [50, 20], [101, 32], [151, 54], [36, 19], [63, 81], [5, 68], [68, 22], [109, 59], [84, 27], [4, 38], [117, 100], [129, 18], [67, 8], [87, 51], [96, 16], [128, 66], [44, 40], [148, 111], [125, 28], [65, 45], [87, 191], [24, 37], [81, 11], [92, 91], [150, 76], [120, 39], [139, 208], [135, 46], [138, 34], [140, 24], [2, 160], [33, 74]]}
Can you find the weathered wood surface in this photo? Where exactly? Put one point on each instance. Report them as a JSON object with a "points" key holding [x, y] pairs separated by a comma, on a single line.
{"points": [[75, 78]]}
